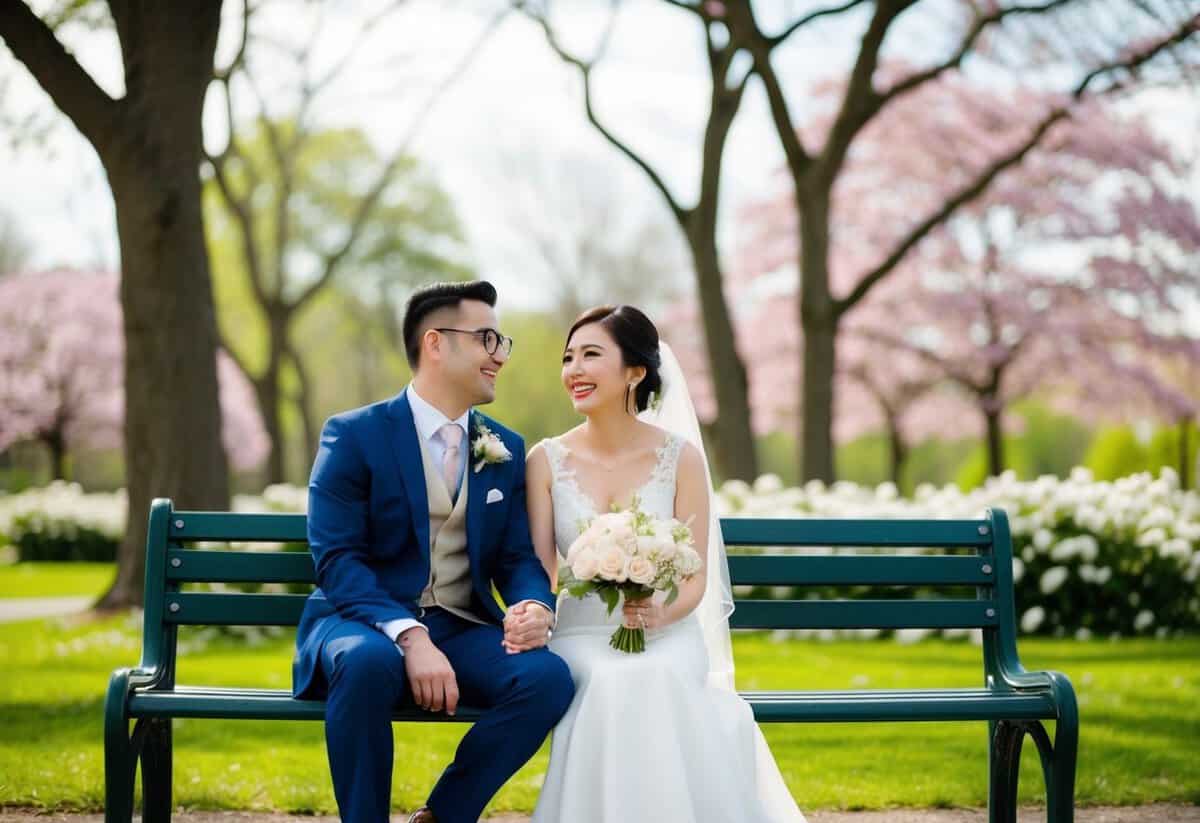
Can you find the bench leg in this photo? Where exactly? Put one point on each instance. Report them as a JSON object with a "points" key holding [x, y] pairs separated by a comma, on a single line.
{"points": [[157, 772], [120, 754], [1058, 767], [1004, 759]]}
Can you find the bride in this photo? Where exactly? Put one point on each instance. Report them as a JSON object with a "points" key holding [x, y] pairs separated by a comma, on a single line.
{"points": [[659, 735]]}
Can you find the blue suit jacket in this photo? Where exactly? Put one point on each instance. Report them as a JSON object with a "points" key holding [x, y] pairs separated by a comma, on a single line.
{"points": [[368, 529]]}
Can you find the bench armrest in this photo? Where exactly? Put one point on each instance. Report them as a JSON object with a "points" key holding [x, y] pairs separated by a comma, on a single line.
{"points": [[1056, 683]]}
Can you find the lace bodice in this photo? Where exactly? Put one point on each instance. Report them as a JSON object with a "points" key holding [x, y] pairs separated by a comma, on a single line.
{"points": [[573, 506]]}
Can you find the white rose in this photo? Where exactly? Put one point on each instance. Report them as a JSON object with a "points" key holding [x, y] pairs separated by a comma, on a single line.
{"points": [[613, 563], [642, 571], [1032, 619], [585, 566], [584, 543], [494, 450]]}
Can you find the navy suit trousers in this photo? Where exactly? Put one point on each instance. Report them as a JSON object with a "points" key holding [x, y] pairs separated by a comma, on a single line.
{"points": [[523, 695]]}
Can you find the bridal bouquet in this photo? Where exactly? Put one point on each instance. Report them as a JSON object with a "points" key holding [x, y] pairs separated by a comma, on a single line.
{"points": [[629, 553]]}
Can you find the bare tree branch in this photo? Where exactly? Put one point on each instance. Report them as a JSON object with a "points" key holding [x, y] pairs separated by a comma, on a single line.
{"points": [[861, 100], [585, 69], [245, 224], [808, 18], [981, 24], [367, 205], [240, 56], [97, 115], [981, 182]]}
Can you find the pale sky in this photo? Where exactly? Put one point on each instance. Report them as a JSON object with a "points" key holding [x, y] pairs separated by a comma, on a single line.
{"points": [[516, 97]]}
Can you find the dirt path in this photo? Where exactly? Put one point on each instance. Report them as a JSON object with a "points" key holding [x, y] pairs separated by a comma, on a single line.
{"points": [[1158, 813], [28, 608]]}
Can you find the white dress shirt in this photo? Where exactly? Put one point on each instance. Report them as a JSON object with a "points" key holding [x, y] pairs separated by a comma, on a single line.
{"points": [[428, 421]]}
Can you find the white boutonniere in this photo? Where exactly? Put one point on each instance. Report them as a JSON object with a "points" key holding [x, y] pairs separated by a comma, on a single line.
{"points": [[487, 447]]}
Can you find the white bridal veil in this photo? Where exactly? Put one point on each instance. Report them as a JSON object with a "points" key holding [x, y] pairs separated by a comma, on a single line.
{"points": [[676, 413]]}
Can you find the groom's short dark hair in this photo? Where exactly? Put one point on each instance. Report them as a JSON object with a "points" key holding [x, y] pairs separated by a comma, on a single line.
{"points": [[426, 301]]}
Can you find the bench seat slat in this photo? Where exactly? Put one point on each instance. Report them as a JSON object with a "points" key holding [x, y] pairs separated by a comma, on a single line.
{"points": [[204, 566], [800, 706], [862, 614], [208, 609], [751, 531], [867, 570]]}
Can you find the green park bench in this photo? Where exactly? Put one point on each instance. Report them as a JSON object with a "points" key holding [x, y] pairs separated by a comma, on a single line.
{"points": [[974, 590]]}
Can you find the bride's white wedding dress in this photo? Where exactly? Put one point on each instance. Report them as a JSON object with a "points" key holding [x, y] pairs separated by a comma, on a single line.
{"points": [[647, 738]]}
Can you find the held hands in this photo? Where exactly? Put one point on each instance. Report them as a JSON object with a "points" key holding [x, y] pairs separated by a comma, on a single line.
{"points": [[434, 684], [526, 627], [645, 614]]}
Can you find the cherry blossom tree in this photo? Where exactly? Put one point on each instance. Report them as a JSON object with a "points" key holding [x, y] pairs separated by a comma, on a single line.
{"points": [[61, 355], [1002, 299]]}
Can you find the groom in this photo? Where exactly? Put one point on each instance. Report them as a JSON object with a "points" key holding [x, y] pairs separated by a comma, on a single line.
{"points": [[416, 509]]}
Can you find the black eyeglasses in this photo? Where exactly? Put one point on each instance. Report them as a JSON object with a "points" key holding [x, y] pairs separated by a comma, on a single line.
{"points": [[491, 339]]}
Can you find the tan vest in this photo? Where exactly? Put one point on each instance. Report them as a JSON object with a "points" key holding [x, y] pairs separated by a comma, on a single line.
{"points": [[449, 564]]}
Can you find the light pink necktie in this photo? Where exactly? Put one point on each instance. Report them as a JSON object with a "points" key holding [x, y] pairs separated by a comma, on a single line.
{"points": [[451, 435]]}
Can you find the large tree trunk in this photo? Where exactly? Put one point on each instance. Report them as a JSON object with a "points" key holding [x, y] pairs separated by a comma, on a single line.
{"points": [[57, 446], [898, 450], [732, 438], [304, 404], [819, 321], [995, 441], [269, 394], [172, 414]]}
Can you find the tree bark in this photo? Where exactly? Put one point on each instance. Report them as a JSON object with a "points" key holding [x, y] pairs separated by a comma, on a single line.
{"points": [[898, 451], [172, 414], [732, 439], [57, 446], [995, 441], [267, 390], [819, 321]]}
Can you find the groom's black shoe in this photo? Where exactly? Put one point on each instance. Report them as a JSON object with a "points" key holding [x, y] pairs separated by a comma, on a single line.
{"points": [[422, 815]]}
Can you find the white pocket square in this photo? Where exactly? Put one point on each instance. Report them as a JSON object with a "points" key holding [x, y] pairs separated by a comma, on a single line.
{"points": [[494, 496]]}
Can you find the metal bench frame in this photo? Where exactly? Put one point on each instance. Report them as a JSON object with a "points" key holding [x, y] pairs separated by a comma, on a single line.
{"points": [[1013, 701]]}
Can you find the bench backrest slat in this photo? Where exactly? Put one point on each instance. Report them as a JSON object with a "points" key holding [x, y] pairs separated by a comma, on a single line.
{"points": [[175, 565], [207, 566], [750, 531], [220, 609], [863, 614], [238, 526], [861, 570]]}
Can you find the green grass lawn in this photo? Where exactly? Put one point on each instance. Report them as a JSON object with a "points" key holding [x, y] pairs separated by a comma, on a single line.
{"points": [[1140, 741], [55, 579]]}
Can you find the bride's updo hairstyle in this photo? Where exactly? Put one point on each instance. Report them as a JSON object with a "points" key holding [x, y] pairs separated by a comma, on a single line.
{"points": [[638, 340]]}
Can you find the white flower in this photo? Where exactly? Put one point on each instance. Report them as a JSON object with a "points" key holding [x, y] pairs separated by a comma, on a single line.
{"points": [[487, 447], [585, 566], [613, 565], [1143, 621], [642, 571], [1032, 619], [1052, 579], [1043, 538], [1018, 569], [687, 561], [1152, 537]]}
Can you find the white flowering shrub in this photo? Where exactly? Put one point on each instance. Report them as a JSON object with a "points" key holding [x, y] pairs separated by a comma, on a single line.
{"points": [[1089, 557], [60, 522]]}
